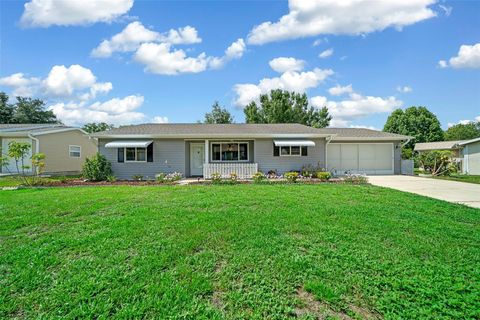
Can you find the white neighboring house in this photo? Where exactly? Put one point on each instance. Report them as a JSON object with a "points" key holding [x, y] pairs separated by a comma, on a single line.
{"points": [[65, 148]]}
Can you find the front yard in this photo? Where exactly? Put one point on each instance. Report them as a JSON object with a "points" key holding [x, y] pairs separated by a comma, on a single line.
{"points": [[239, 251], [462, 178]]}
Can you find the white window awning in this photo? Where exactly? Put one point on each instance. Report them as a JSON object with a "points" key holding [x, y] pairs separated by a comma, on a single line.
{"points": [[288, 143], [128, 144]]}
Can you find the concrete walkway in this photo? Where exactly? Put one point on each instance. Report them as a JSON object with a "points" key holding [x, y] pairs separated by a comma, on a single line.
{"points": [[452, 191]]}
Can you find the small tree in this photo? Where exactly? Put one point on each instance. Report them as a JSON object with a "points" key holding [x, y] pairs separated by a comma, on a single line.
{"points": [[19, 152], [218, 115], [437, 162], [97, 127], [97, 168]]}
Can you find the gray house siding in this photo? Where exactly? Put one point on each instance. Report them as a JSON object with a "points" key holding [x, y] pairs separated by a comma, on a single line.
{"points": [[267, 161], [168, 156]]}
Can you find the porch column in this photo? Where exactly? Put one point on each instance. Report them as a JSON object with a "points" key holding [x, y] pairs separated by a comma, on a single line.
{"points": [[206, 151]]}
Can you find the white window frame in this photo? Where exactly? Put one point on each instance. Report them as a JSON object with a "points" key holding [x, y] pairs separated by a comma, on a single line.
{"points": [[290, 151], [229, 142], [136, 154], [70, 151]]}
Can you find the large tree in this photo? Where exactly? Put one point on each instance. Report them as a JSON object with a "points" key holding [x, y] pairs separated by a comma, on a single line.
{"points": [[218, 115], [97, 127], [418, 122], [6, 110], [25, 110], [465, 131], [286, 107]]}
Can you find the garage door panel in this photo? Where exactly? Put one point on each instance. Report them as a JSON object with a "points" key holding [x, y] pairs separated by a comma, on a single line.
{"points": [[333, 156], [349, 154], [384, 157]]}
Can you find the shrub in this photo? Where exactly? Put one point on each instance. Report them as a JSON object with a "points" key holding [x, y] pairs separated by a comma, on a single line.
{"points": [[258, 177], [96, 168], [310, 171], [291, 176], [355, 179], [137, 177], [233, 178], [216, 178], [272, 174], [437, 162], [111, 178], [323, 175], [168, 177]]}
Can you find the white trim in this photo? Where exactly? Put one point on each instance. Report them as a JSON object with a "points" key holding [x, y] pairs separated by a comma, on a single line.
{"points": [[37, 143], [294, 143], [229, 142], [212, 136], [128, 144], [469, 141], [70, 152], [134, 161], [367, 139], [358, 160], [59, 130]]}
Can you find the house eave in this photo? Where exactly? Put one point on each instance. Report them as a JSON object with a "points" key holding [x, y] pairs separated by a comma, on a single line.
{"points": [[208, 136]]}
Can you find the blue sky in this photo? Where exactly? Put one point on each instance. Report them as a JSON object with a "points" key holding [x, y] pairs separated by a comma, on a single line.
{"points": [[171, 60]]}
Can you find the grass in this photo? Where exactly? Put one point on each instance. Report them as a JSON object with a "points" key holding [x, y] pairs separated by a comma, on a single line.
{"points": [[10, 181], [461, 178], [236, 252]]}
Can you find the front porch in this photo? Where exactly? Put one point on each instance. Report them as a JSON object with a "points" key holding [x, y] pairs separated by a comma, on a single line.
{"points": [[224, 157]]}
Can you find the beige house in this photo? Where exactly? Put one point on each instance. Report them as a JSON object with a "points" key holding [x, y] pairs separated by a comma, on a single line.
{"points": [[65, 148], [466, 152]]}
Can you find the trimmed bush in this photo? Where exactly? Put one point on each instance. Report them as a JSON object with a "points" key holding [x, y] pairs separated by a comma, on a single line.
{"points": [[258, 177], [97, 168], [324, 176], [355, 179], [291, 176]]}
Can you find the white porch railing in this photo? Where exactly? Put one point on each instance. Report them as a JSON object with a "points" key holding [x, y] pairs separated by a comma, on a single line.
{"points": [[243, 170]]}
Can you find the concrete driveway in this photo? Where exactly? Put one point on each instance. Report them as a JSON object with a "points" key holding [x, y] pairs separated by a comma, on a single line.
{"points": [[452, 191]]}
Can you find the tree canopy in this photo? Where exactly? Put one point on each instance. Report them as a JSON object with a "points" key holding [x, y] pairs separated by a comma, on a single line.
{"points": [[418, 122], [218, 115], [25, 110], [97, 127], [281, 106], [461, 131]]}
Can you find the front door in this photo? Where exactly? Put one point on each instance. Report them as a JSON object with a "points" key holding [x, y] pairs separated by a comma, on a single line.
{"points": [[197, 158]]}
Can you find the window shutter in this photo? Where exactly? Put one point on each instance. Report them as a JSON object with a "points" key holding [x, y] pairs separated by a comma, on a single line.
{"points": [[121, 157], [304, 151], [150, 152], [276, 151]]}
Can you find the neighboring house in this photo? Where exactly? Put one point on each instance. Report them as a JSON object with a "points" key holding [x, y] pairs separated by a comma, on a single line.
{"points": [[198, 150], [466, 152], [65, 148]]}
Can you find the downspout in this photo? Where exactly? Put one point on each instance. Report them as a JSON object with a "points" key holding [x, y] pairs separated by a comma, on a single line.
{"points": [[328, 139], [37, 143]]}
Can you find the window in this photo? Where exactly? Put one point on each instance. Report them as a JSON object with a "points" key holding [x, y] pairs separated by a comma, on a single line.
{"points": [[289, 151], [74, 151], [232, 151], [135, 154]]}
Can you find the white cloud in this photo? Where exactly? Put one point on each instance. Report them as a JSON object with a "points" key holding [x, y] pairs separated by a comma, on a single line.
{"points": [[60, 82], [44, 13], [21, 85], [326, 53], [351, 17], [119, 106], [363, 127], [477, 119], [446, 10], [76, 114], [338, 90], [404, 89], [161, 58], [355, 107], [468, 57], [319, 41], [159, 119], [134, 34], [289, 80], [284, 64]]}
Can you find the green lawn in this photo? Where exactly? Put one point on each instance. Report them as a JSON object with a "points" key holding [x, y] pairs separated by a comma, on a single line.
{"points": [[236, 252], [462, 178], [11, 181]]}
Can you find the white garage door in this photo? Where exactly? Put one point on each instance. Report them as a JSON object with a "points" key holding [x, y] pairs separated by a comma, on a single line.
{"points": [[369, 158], [11, 165]]}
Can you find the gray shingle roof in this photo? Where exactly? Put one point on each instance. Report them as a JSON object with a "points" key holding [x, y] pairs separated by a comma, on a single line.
{"points": [[31, 128], [240, 129], [438, 145]]}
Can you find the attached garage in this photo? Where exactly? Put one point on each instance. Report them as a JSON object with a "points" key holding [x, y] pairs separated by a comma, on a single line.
{"points": [[368, 158]]}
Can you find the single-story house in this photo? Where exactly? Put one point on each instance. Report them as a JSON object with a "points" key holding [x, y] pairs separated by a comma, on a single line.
{"points": [[65, 148], [198, 150], [466, 152]]}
